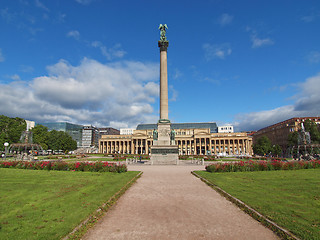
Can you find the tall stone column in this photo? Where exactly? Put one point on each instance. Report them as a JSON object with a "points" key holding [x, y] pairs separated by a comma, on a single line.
{"points": [[163, 45], [164, 150]]}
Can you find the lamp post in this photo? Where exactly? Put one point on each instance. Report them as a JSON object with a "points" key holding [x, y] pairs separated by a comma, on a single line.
{"points": [[5, 150]]}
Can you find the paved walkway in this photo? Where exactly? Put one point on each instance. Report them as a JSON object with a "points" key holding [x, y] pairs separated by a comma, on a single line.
{"points": [[168, 202]]}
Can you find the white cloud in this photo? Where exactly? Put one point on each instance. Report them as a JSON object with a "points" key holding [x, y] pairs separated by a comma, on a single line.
{"points": [[1, 56], [259, 42], [109, 53], [314, 57], [74, 34], [307, 104], [92, 92], [41, 5], [216, 51], [225, 19]]}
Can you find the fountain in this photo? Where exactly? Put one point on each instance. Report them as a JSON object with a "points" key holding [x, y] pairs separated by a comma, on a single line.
{"points": [[26, 149], [304, 150]]}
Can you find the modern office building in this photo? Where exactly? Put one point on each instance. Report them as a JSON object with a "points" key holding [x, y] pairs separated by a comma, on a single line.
{"points": [[191, 138], [74, 130], [90, 136]]}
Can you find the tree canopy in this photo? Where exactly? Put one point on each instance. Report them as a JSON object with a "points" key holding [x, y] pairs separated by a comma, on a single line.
{"points": [[263, 146], [10, 130], [55, 140]]}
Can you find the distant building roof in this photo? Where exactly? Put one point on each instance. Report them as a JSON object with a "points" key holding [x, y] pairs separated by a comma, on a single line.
{"points": [[61, 126], [213, 126]]}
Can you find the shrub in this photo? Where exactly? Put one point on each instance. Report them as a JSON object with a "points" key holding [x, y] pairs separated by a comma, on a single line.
{"points": [[261, 166], [64, 166]]}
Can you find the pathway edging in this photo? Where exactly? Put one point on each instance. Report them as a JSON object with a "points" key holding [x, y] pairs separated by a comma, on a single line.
{"points": [[82, 228], [281, 232]]}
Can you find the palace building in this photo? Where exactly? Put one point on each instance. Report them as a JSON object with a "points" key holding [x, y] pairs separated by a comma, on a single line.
{"points": [[191, 138]]}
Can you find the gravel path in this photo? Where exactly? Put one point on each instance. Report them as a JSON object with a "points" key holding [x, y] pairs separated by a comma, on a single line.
{"points": [[168, 202]]}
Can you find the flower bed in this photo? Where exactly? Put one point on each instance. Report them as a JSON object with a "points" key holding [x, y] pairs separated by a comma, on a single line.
{"points": [[64, 166], [249, 166]]}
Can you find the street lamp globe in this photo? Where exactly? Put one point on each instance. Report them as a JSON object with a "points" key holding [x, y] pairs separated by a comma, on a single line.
{"points": [[6, 144]]}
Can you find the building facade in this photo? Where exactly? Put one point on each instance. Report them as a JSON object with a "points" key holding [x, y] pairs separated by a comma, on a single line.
{"points": [[225, 129], [90, 136], [126, 131], [108, 131], [278, 133], [191, 138], [74, 130]]}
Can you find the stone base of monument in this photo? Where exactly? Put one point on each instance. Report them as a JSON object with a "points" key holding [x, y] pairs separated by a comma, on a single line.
{"points": [[164, 155]]}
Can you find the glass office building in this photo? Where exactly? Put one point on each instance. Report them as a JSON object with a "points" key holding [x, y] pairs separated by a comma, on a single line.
{"points": [[74, 130]]}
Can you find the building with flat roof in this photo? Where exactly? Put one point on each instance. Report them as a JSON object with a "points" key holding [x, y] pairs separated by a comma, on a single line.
{"points": [[278, 133], [90, 136], [191, 138], [126, 131], [211, 125], [108, 131], [74, 130]]}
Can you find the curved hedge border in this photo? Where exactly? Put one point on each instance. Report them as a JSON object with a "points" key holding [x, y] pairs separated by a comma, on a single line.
{"points": [[64, 166], [250, 166]]}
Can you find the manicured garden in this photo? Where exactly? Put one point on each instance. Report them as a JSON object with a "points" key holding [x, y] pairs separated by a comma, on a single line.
{"points": [[65, 166], [50, 204], [289, 198]]}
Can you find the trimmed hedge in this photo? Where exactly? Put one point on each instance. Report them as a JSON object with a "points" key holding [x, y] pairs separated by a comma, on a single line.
{"points": [[250, 166], [64, 166]]}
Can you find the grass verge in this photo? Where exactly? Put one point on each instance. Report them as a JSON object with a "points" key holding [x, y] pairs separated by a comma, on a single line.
{"points": [[289, 198], [50, 204]]}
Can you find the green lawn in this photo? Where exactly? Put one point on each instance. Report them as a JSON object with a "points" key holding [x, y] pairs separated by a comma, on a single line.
{"points": [[289, 198], [50, 204]]}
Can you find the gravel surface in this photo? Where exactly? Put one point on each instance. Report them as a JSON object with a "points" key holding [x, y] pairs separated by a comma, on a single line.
{"points": [[168, 202]]}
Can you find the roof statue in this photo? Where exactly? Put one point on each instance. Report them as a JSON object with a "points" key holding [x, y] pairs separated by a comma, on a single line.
{"points": [[163, 28]]}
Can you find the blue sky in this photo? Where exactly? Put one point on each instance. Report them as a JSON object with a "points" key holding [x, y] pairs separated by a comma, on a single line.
{"points": [[246, 63]]}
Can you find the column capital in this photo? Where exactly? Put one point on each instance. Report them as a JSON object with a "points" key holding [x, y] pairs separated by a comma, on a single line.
{"points": [[163, 45]]}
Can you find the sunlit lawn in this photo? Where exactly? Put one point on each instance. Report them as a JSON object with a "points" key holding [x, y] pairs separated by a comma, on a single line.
{"points": [[289, 198], [49, 204]]}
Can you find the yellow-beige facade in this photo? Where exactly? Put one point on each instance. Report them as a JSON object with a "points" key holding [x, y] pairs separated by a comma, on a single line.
{"points": [[189, 141]]}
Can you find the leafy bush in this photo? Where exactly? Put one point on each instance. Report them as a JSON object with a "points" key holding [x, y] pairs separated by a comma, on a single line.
{"points": [[64, 166], [261, 166]]}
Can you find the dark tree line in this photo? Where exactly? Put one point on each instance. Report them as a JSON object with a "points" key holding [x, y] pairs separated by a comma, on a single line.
{"points": [[54, 140], [263, 146], [12, 128]]}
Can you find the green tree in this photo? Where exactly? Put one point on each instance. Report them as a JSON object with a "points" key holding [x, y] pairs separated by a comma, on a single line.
{"points": [[293, 138], [59, 140], [262, 146], [40, 136], [11, 129], [276, 150]]}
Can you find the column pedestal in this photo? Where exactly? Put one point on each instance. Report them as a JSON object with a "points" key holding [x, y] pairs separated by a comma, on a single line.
{"points": [[162, 152]]}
